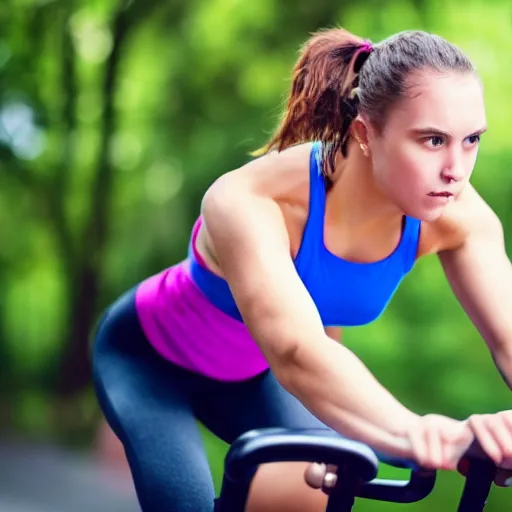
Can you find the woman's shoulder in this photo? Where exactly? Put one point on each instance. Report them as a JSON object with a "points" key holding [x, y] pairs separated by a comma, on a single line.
{"points": [[468, 214], [274, 174], [282, 177]]}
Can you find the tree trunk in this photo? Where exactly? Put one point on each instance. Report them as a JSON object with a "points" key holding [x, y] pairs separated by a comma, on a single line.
{"points": [[75, 370]]}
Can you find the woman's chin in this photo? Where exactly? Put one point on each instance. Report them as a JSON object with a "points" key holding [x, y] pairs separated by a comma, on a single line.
{"points": [[426, 214]]}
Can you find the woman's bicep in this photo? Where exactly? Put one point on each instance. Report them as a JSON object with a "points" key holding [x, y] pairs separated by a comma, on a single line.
{"points": [[251, 243]]}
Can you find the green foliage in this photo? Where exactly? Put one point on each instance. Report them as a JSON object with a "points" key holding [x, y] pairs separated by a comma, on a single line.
{"points": [[114, 119]]}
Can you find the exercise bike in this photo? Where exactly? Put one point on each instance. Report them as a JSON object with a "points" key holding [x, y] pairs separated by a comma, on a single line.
{"points": [[357, 470]]}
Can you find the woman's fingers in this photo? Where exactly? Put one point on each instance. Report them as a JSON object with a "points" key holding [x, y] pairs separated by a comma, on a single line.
{"points": [[501, 427], [479, 424], [494, 433], [434, 448], [420, 447]]}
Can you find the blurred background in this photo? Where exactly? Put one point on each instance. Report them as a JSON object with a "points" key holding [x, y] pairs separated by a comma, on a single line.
{"points": [[115, 116]]}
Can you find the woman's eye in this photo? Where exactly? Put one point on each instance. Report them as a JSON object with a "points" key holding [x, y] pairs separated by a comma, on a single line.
{"points": [[435, 141], [474, 139]]}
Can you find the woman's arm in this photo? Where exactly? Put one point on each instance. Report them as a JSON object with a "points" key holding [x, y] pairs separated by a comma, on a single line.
{"points": [[480, 274], [248, 234], [333, 333]]}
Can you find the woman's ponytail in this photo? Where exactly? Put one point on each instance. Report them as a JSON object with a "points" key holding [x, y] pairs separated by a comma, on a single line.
{"points": [[321, 105]]}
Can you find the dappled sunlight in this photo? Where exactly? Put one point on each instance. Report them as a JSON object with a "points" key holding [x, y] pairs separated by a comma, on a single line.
{"points": [[92, 36]]}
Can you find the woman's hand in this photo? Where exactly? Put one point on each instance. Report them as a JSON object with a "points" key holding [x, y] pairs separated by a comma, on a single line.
{"points": [[436, 442], [439, 442], [494, 433]]}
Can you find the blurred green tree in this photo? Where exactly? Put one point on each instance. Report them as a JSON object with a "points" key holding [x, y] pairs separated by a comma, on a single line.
{"points": [[115, 116]]}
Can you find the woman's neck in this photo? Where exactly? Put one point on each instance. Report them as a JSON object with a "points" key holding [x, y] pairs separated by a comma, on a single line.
{"points": [[355, 201]]}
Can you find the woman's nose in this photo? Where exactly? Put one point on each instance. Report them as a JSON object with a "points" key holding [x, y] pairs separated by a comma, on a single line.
{"points": [[452, 174]]}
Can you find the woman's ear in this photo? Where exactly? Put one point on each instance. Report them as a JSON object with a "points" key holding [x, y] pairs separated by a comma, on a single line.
{"points": [[359, 132]]}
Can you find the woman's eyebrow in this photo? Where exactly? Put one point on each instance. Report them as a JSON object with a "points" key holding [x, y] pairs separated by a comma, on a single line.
{"points": [[429, 130]]}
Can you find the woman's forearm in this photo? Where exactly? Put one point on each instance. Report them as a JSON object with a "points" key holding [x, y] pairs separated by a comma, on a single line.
{"points": [[502, 358], [333, 383]]}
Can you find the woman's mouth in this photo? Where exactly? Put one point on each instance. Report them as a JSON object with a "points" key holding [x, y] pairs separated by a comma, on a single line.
{"points": [[440, 194]]}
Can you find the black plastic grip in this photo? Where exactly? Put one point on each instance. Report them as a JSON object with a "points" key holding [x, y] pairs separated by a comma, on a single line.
{"points": [[418, 487], [480, 477]]}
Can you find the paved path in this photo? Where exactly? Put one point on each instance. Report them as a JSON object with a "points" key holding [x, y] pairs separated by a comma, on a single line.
{"points": [[49, 479]]}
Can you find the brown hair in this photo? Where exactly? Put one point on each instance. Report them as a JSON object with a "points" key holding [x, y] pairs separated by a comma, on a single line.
{"points": [[339, 75]]}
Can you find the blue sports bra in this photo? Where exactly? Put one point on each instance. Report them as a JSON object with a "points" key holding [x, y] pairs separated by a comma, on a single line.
{"points": [[345, 293]]}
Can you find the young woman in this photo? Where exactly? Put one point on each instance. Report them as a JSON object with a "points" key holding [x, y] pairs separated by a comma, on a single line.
{"points": [[368, 171]]}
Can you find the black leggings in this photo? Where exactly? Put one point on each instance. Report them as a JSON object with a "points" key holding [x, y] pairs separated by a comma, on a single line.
{"points": [[152, 406]]}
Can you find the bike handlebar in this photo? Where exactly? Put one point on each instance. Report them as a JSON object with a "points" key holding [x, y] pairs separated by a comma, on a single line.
{"points": [[481, 474], [357, 467], [273, 445]]}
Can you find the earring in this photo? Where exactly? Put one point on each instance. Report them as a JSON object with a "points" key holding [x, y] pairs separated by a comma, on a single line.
{"points": [[364, 149]]}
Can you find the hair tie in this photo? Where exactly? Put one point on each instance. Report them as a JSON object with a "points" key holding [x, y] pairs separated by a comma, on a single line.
{"points": [[367, 46]]}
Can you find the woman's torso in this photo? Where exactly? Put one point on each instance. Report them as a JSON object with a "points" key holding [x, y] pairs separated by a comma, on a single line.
{"points": [[346, 292]]}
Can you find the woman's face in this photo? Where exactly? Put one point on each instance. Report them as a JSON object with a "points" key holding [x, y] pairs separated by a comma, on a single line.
{"points": [[425, 153]]}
